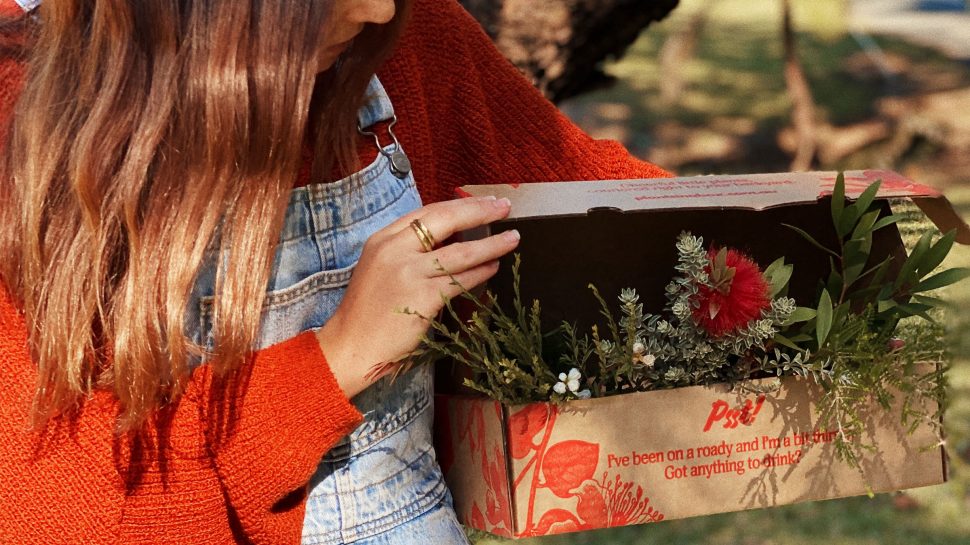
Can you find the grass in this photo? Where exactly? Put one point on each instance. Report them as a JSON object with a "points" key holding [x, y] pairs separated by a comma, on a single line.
{"points": [[734, 85]]}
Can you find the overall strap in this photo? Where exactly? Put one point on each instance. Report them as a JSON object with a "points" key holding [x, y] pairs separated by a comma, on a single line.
{"points": [[378, 106]]}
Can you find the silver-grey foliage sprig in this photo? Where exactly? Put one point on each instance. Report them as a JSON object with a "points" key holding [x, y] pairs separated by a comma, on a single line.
{"points": [[647, 351]]}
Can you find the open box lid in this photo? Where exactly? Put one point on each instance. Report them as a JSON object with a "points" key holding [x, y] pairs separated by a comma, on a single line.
{"points": [[745, 191]]}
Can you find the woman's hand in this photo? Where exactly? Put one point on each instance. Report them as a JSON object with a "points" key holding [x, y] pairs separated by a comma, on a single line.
{"points": [[395, 272]]}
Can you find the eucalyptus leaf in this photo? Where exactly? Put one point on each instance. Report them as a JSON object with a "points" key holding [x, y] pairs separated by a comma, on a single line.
{"points": [[835, 282], [785, 341], [823, 318], [865, 294], [852, 273], [927, 300], [848, 219], [838, 198], [770, 269], [865, 199], [936, 254], [811, 240], [888, 220], [865, 224], [801, 314], [886, 304], [885, 292], [911, 265], [857, 250], [915, 309], [942, 279], [881, 270], [881, 265], [779, 279]]}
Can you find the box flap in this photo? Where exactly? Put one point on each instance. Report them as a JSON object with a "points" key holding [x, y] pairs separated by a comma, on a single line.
{"points": [[856, 181], [944, 216], [745, 191], [757, 192]]}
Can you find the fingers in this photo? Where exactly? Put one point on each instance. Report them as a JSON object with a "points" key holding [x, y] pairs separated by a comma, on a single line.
{"points": [[404, 220], [402, 223], [444, 221], [462, 256], [454, 285]]}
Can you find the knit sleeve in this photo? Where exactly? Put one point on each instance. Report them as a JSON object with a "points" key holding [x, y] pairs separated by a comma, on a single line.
{"points": [[268, 430], [488, 123], [10, 9], [11, 81]]}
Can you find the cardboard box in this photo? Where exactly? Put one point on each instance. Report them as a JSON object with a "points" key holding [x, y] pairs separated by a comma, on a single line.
{"points": [[539, 469]]}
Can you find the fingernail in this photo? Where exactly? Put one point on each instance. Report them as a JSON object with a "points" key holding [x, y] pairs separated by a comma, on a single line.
{"points": [[504, 202], [512, 236], [487, 198]]}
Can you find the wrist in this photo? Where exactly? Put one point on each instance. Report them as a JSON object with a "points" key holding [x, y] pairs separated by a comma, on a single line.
{"points": [[340, 357]]}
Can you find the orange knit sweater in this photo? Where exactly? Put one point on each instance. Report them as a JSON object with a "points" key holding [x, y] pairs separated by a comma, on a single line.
{"points": [[230, 465]]}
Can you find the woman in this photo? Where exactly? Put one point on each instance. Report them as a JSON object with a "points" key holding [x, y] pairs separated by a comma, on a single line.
{"points": [[200, 275]]}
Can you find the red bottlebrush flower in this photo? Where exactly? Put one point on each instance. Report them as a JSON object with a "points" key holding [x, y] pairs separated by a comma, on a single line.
{"points": [[739, 295], [895, 344]]}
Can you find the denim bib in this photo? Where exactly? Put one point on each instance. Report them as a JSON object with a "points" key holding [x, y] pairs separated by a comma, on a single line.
{"points": [[381, 484]]}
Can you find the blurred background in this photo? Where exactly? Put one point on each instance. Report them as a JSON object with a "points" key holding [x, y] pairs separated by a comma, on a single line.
{"points": [[744, 86]]}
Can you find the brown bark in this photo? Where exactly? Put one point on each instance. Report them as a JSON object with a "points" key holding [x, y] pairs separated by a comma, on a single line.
{"points": [[561, 44], [677, 50], [803, 104]]}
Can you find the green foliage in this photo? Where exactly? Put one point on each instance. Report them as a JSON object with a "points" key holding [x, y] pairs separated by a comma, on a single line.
{"points": [[865, 345], [504, 350], [515, 362], [649, 352]]}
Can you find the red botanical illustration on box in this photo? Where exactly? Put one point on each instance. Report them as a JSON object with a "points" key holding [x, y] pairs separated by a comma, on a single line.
{"points": [[470, 443], [563, 475], [858, 181]]}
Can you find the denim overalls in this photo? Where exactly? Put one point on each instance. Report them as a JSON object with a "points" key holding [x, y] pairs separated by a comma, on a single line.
{"points": [[28, 5], [381, 484]]}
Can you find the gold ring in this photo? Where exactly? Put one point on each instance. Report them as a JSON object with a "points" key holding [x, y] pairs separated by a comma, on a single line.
{"points": [[424, 235]]}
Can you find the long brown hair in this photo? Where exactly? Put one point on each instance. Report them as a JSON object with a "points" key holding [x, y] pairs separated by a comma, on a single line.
{"points": [[148, 131]]}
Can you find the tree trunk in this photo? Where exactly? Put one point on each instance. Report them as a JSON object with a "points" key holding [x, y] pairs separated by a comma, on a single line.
{"points": [[678, 49], [803, 104], [561, 44]]}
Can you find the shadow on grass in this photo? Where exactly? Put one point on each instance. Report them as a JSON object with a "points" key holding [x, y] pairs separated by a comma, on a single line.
{"points": [[736, 74]]}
